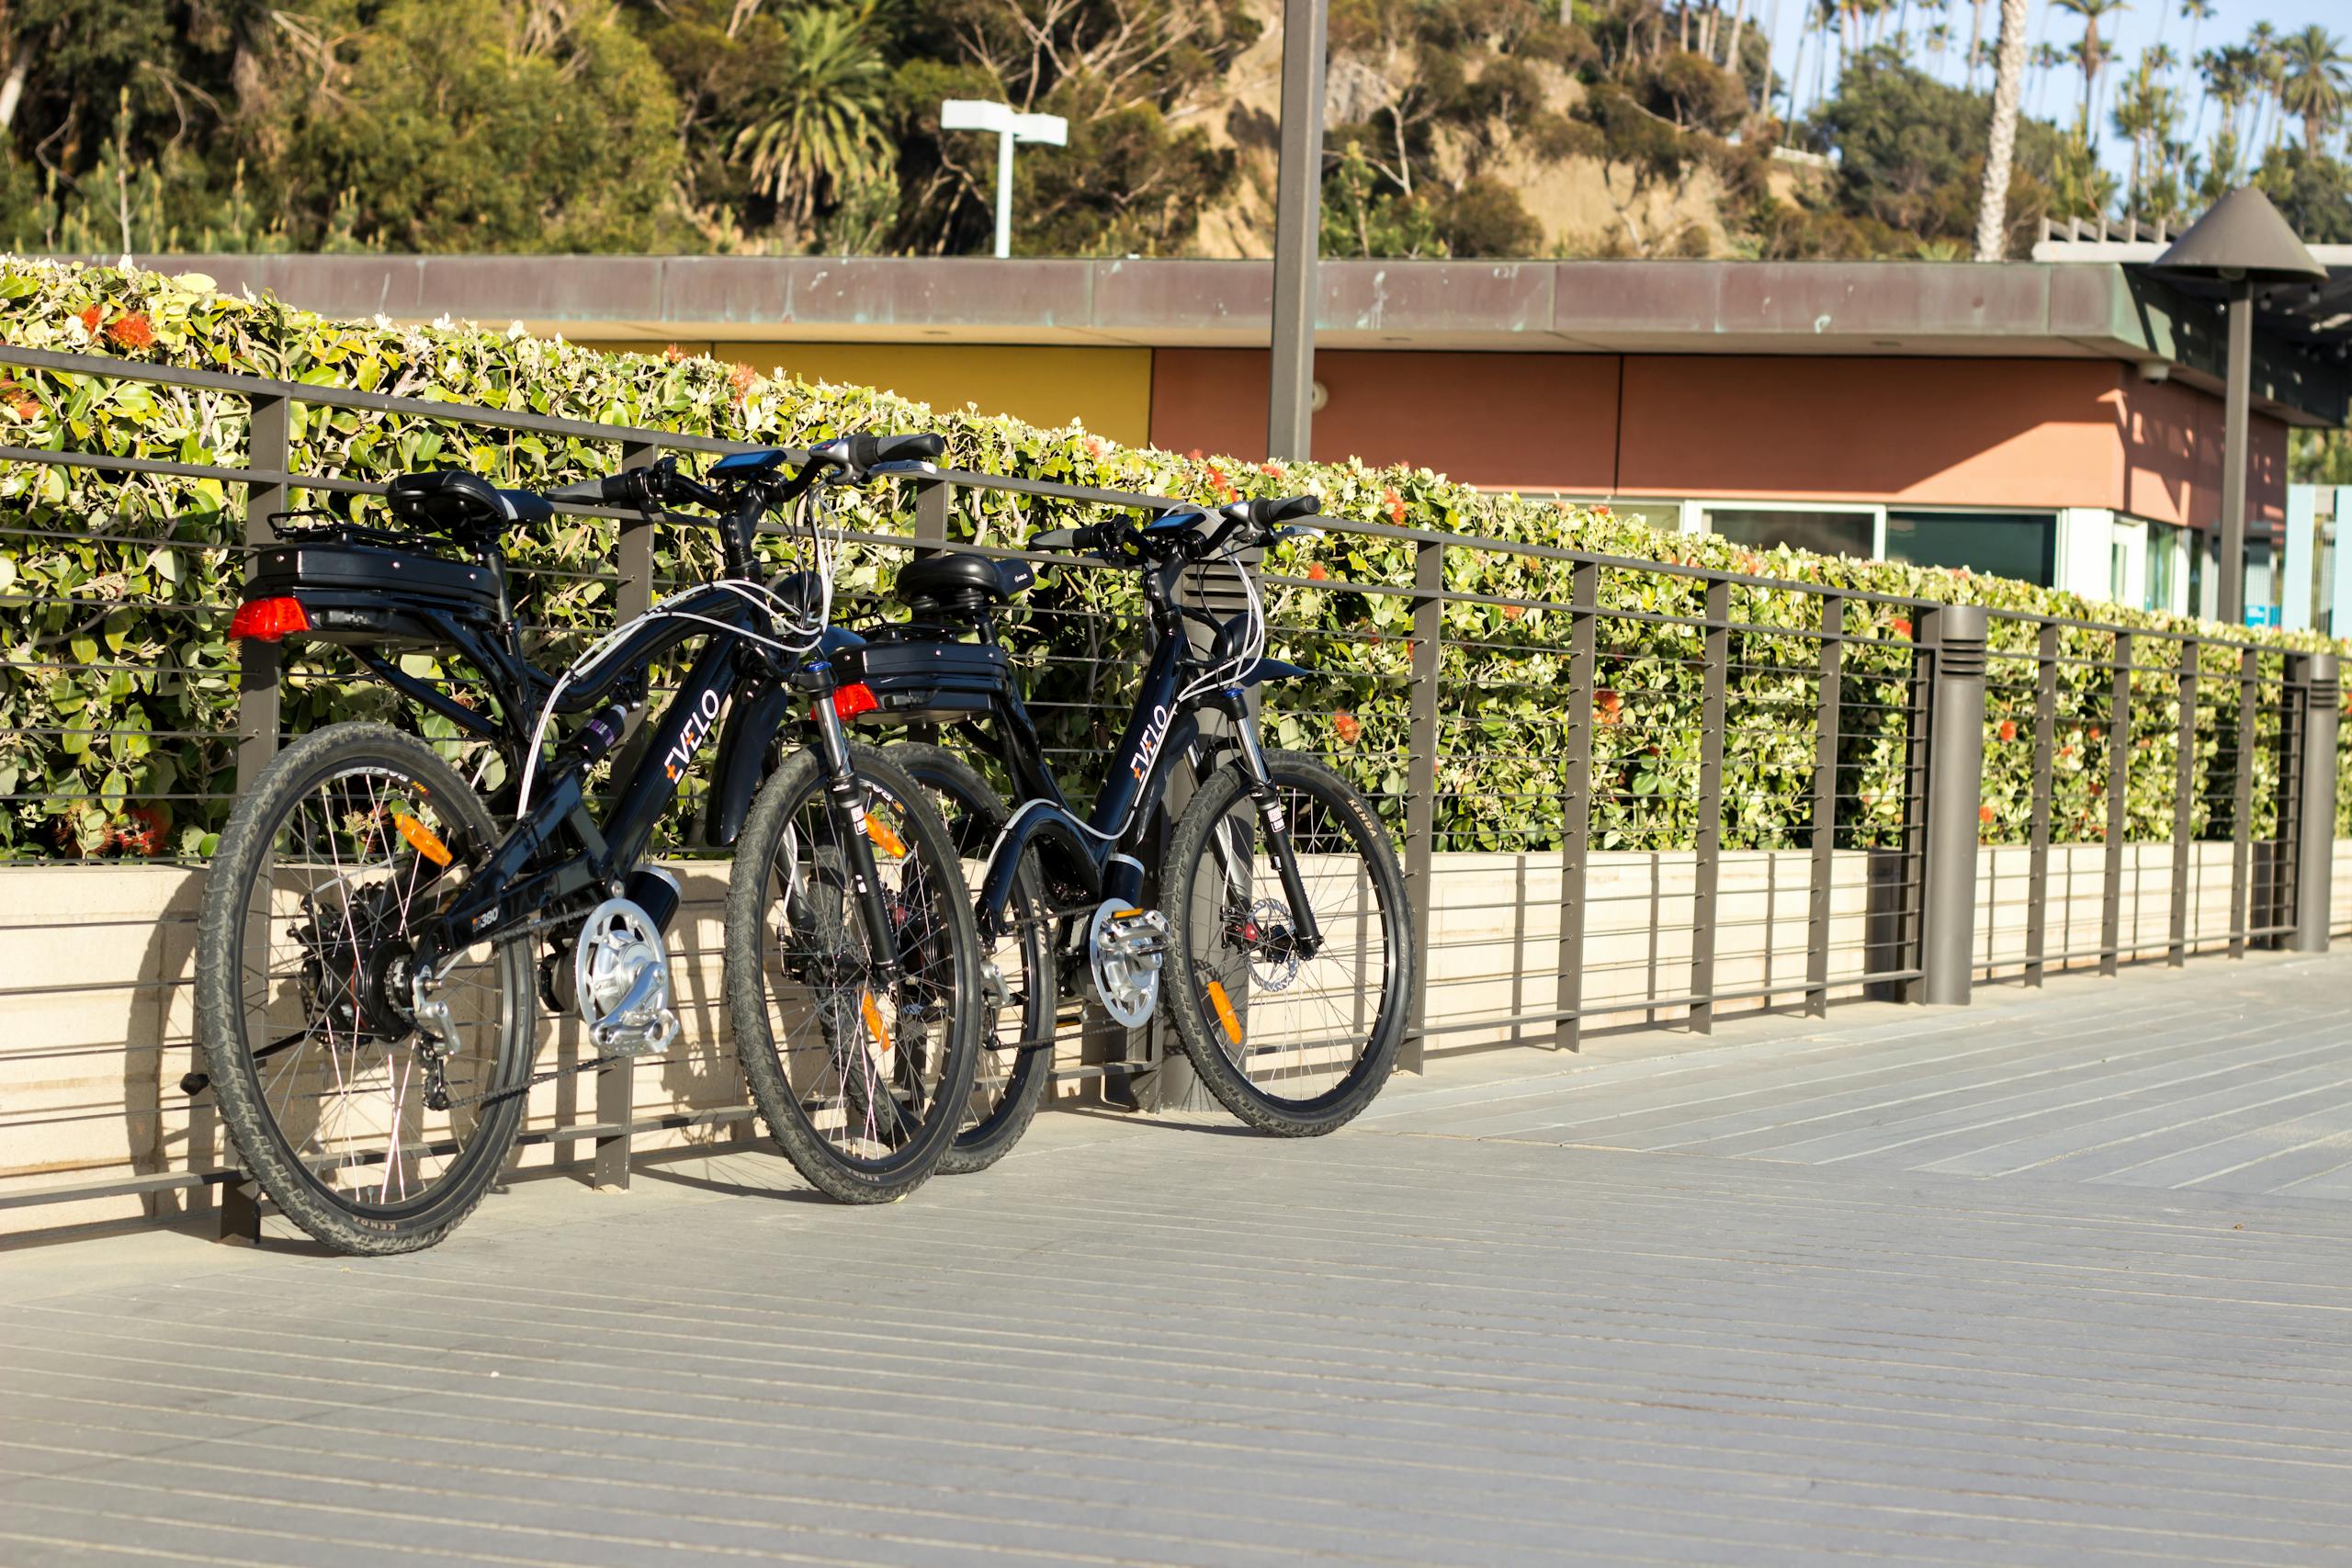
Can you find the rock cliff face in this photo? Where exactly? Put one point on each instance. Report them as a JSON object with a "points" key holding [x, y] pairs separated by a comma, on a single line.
{"points": [[1586, 205]]}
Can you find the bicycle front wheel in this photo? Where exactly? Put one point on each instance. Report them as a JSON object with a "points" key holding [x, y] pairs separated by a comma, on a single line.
{"points": [[862, 1081], [1292, 1040], [367, 1135]]}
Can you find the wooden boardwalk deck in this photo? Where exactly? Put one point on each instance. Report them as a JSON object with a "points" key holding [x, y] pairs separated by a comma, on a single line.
{"points": [[2062, 1278]]}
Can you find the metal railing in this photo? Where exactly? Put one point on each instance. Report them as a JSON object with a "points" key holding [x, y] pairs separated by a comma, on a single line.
{"points": [[1627, 792]]}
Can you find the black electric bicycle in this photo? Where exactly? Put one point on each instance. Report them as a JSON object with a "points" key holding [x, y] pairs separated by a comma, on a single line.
{"points": [[1279, 897], [366, 998]]}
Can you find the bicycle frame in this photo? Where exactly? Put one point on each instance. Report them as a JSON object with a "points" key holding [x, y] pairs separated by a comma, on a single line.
{"points": [[557, 849], [1099, 854]]}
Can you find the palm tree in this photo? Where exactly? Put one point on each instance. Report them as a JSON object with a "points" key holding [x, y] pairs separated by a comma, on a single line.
{"points": [[2262, 72], [2144, 115], [2315, 78], [2197, 11], [2008, 83], [819, 130], [2047, 58], [2092, 53], [1975, 37]]}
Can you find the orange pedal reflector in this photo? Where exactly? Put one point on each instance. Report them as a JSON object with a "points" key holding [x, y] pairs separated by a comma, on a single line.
{"points": [[1224, 1014], [422, 839], [874, 1022], [885, 836]]}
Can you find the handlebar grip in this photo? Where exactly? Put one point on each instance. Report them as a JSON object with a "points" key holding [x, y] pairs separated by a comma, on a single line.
{"points": [[624, 488], [1269, 513], [866, 449]]}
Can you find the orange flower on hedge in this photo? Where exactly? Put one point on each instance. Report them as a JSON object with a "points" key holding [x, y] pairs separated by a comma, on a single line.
{"points": [[134, 330], [1983, 814], [1395, 507], [1902, 626], [1318, 571], [91, 317], [740, 377], [1513, 612], [673, 354], [1348, 726], [2009, 729]]}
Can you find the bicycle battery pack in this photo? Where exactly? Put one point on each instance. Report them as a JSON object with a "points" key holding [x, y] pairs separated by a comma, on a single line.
{"points": [[368, 593], [926, 683]]}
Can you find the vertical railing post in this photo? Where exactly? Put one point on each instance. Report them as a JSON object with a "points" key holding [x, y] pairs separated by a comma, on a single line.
{"points": [[1818, 906], [2314, 679], [2241, 806], [1706, 875], [1576, 801], [616, 1081], [2119, 822], [2045, 745], [269, 451], [2183, 807], [1421, 804], [1955, 791]]}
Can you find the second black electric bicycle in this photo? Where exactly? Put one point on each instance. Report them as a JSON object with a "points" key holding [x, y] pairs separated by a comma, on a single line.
{"points": [[366, 990], [1280, 934]]}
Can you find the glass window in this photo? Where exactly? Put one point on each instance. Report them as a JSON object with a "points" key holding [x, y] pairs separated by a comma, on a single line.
{"points": [[2164, 565], [2022, 544], [1823, 532], [1666, 516]]}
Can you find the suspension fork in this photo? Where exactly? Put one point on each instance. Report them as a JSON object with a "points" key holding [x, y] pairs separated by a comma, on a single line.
{"points": [[1273, 820], [847, 803]]}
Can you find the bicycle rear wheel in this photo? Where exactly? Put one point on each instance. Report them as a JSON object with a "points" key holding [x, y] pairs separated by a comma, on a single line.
{"points": [[862, 1083], [1290, 1041], [1016, 1054], [363, 1133]]}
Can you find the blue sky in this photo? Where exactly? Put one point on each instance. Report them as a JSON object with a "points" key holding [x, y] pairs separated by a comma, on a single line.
{"points": [[2143, 25]]}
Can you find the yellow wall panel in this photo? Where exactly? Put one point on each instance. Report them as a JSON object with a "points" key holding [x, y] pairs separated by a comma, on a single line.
{"points": [[1108, 389]]}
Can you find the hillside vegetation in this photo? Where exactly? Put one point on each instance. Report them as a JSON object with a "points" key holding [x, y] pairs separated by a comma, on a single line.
{"points": [[1472, 128]]}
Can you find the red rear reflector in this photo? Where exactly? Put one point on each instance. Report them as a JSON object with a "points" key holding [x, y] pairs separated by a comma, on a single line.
{"points": [[855, 698], [268, 620]]}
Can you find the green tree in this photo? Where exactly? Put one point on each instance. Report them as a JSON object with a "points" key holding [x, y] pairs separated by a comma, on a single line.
{"points": [[2315, 80], [1912, 157], [452, 125], [817, 134]]}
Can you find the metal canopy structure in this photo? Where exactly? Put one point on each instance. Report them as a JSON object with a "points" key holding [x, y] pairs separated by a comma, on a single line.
{"points": [[2241, 245]]}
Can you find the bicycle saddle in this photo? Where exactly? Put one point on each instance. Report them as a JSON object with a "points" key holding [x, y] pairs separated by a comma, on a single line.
{"points": [[953, 581], [450, 500]]}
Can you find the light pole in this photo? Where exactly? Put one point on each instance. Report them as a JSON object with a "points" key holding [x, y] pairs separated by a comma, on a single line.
{"points": [[1298, 231], [977, 114]]}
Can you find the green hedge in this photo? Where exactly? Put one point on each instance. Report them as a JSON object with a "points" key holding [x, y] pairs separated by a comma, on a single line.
{"points": [[122, 688]]}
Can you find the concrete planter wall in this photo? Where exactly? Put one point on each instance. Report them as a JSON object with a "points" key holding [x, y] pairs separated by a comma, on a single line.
{"points": [[96, 1026]]}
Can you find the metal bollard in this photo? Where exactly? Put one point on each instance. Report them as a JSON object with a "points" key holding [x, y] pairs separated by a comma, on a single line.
{"points": [[2313, 677], [1955, 788]]}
